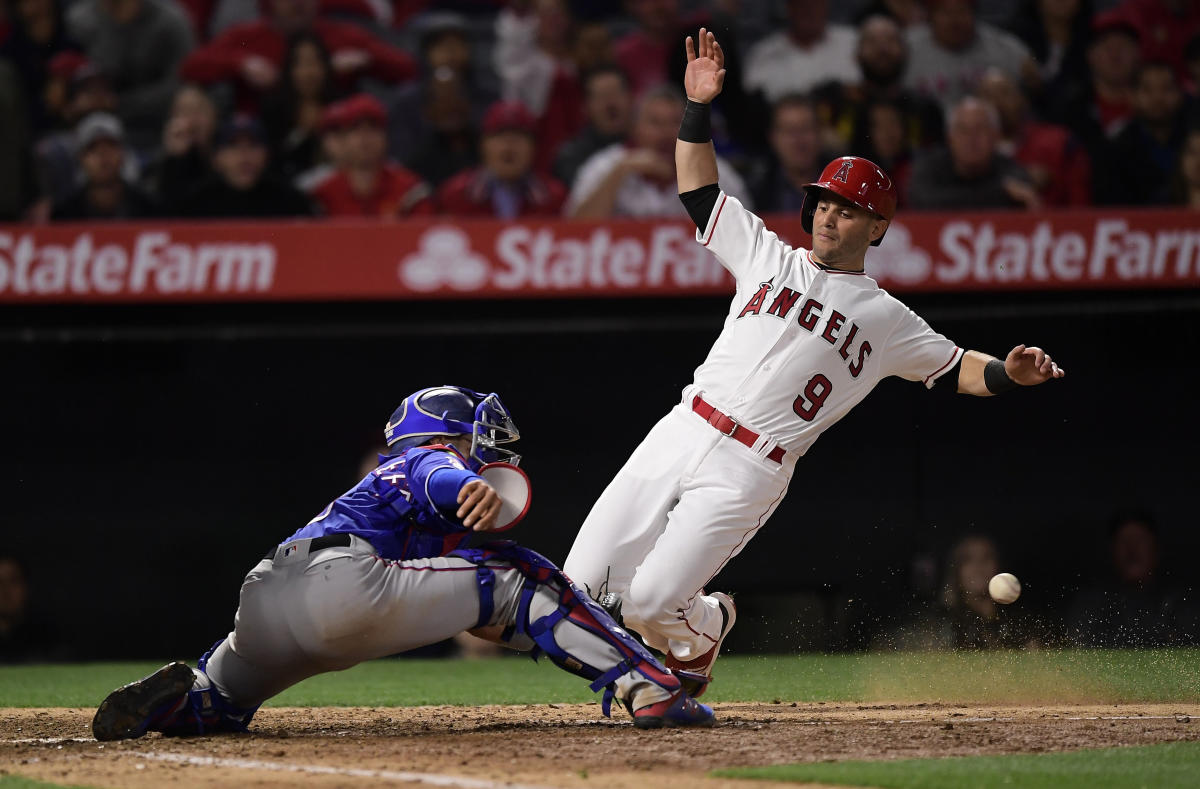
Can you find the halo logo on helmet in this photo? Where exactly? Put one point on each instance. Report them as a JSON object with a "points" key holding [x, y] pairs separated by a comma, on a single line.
{"points": [[856, 180], [454, 411]]}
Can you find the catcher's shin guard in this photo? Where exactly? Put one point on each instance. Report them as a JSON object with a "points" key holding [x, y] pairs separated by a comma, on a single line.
{"points": [[575, 606]]}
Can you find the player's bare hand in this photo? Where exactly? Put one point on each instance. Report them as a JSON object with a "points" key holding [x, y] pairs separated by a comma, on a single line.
{"points": [[1030, 366], [478, 505], [649, 163], [705, 74]]}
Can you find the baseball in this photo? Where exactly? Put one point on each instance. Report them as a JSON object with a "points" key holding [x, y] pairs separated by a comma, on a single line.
{"points": [[1004, 588]]}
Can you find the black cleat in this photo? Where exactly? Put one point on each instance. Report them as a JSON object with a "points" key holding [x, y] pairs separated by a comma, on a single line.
{"points": [[128, 711]]}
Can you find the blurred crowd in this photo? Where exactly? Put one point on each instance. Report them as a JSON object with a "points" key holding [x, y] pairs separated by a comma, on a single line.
{"points": [[1126, 600], [509, 108]]}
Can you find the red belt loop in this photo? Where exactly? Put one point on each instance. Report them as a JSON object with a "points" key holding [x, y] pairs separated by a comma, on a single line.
{"points": [[727, 426]]}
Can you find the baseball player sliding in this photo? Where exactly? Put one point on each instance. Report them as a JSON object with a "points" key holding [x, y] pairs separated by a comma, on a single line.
{"points": [[807, 337], [379, 571]]}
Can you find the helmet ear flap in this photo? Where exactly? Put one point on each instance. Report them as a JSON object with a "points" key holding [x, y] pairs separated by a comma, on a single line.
{"points": [[807, 209]]}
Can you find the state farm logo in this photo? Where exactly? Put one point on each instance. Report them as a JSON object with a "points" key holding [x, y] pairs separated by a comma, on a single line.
{"points": [[897, 259], [544, 258], [445, 257], [152, 262]]}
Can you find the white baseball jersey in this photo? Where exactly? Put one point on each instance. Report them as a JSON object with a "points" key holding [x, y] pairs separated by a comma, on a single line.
{"points": [[803, 345]]}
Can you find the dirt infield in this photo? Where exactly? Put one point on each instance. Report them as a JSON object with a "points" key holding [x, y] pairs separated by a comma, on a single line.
{"points": [[557, 745]]}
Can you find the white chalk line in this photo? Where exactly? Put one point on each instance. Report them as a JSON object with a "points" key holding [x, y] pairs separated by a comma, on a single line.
{"points": [[433, 779]]}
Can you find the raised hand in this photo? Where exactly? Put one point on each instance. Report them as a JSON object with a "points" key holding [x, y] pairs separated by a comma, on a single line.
{"points": [[705, 74], [1031, 366]]}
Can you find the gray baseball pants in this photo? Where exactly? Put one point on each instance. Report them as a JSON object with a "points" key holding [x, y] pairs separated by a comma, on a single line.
{"points": [[303, 614]]}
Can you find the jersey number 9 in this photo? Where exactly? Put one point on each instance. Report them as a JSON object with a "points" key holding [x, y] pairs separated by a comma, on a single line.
{"points": [[808, 404]]}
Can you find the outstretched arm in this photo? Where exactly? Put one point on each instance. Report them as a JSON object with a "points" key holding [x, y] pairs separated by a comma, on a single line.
{"points": [[983, 375], [695, 160]]}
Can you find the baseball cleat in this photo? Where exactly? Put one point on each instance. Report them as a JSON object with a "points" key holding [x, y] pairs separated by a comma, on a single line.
{"points": [[679, 710], [695, 674], [128, 711]]}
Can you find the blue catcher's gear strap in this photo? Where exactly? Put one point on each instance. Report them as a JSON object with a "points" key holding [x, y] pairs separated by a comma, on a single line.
{"points": [[583, 612], [206, 710], [486, 578]]}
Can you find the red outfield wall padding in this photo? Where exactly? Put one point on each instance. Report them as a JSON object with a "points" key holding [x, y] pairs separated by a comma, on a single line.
{"points": [[443, 258]]}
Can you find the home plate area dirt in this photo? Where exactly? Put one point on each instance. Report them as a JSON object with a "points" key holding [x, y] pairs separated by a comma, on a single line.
{"points": [[557, 745]]}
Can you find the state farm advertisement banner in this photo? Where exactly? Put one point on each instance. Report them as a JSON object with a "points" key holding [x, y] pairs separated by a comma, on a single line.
{"points": [[441, 258]]}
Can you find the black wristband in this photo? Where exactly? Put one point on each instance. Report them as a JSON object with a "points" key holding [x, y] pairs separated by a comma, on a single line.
{"points": [[696, 125], [996, 379]]}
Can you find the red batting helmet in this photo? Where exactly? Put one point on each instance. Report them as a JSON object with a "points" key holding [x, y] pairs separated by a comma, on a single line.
{"points": [[856, 179]]}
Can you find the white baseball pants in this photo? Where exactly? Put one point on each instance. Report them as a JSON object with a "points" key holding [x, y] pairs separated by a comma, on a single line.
{"points": [[685, 503]]}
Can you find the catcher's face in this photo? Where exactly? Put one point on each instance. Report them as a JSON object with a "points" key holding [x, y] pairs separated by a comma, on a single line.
{"points": [[842, 232]]}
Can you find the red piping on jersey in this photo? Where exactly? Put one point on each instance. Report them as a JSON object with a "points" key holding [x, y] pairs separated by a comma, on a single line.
{"points": [[716, 218], [938, 371], [808, 254]]}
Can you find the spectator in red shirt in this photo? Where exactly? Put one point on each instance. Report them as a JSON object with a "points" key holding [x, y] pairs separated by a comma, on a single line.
{"points": [[1057, 163], [366, 183], [251, 55], [505, 186], [645, 51]]}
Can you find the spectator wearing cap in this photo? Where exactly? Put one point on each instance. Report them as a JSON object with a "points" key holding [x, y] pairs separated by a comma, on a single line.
{"points": [[104, 194], [809, 52], [1097, 110], [187, 145], [1164, 27], [1055, 160], [1140, 161], [970, 172], [139, 45], [366, 183], [240, 186], [433, 123], [636, 178], [949, 55], [842, 107], [37, 34], [251, 55], [608, 107], [292, 111], [87, 90], [505, 185]]}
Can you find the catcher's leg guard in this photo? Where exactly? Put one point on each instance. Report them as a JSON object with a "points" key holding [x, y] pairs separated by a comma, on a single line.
{"points": [[548, 598], [204, 710]]}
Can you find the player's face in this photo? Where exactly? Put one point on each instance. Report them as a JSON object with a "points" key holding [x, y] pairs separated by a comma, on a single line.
{"points": [[842, 232]]}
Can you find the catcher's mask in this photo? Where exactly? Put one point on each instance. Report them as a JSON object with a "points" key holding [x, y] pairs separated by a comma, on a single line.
{"points": [[454, 411]]}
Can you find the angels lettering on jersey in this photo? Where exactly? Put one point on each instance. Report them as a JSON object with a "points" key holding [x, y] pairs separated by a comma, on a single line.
{"points": [[809, 317]]}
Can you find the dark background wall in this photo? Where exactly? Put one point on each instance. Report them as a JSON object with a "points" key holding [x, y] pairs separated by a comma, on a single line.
{"points": [[151, 456]]}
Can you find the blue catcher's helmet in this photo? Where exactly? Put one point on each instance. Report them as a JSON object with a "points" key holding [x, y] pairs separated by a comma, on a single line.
{"points": [[454, 411]]}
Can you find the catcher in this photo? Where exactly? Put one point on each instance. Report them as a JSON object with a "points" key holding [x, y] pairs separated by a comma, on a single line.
{"points": [[380, 571]]}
